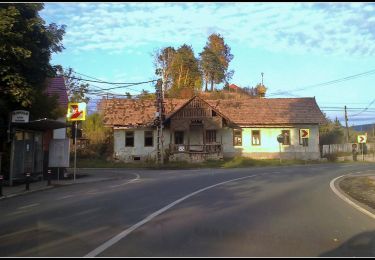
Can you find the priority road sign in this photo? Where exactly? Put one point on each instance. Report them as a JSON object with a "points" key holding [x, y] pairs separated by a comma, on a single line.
{"points": [[304, 133], [362, 139]]}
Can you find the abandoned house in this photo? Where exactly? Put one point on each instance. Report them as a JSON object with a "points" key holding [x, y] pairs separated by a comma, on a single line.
{"points": [[199, 129]]}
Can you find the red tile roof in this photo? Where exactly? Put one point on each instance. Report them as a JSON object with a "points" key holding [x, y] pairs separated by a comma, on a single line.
{"points": [[132, 112], [56, 86], [243, 112], [233, 86], [272, 111]]}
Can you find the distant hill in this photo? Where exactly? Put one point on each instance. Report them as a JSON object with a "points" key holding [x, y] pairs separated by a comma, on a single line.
{"points": [[367, 127]]}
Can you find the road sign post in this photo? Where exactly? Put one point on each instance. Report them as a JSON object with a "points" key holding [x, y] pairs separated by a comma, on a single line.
{"points": [[76, 112], [28, 181], [49, 177], [280, 139], [362, 139], [75, 152], [305, 135]]}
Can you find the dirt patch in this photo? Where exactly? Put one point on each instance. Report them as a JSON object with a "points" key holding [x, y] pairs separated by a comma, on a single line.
{"points": [[361, 189]]}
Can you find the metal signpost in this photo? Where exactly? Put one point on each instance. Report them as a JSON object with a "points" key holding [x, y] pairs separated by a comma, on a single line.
{"points": [[76, 112], [280, 139], [304, 134]]}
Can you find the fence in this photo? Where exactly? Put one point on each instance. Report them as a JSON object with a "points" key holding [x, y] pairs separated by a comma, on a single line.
{"points": [[346, 148]]}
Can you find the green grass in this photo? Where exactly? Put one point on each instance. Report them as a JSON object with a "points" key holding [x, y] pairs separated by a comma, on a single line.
{"points": [[237, 162]]}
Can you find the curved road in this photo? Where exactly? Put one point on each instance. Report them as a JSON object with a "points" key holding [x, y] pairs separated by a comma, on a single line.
{"points": [[268, 211]]}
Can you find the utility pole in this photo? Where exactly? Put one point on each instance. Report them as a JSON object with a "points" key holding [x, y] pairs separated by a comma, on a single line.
{"points": [[160, 117], [346, 125], [157, 121], [161, 109]]}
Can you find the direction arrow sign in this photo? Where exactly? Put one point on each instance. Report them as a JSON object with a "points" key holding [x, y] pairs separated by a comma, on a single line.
{"points": [[304, 133], [362, 139]]}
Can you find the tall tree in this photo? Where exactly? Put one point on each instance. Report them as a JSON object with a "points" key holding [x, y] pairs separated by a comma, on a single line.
{"points": [[26, 45], [215, 59], [180, 69], [163, 65], [185, 71], [211, 67], [331, 132]]}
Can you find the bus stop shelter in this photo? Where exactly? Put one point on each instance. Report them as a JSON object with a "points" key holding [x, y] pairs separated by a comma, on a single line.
{"points": [[29, 148]]}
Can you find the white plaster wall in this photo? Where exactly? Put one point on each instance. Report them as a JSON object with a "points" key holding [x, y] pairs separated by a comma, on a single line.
{"points": [[127, 153], [269, 147], [145, 153]]}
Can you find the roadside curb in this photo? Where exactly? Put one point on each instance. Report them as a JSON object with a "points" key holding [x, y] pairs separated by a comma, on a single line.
{"points": [[53, 185], [348, 199], [57, 185], [25, 192]]}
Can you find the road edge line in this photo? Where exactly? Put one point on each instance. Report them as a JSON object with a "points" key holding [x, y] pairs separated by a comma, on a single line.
{"points": [[347, 200]]}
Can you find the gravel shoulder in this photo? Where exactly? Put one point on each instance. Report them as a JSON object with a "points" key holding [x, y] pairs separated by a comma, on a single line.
{"points": [[361, 189]]}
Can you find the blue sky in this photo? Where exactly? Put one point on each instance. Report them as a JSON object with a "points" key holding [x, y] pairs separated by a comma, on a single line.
{"points": [[295, 45]]}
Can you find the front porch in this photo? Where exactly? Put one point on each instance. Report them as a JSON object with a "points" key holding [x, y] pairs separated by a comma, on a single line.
{"points": [[196, 148], [194, 132], [195, 153]]}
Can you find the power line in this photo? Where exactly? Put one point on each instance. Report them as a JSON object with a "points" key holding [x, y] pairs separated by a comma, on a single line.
{"points": [[372, 102], [370, 72], [135, 84], [112, 83]]}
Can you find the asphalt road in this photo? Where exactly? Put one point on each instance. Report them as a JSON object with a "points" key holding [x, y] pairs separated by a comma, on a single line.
{"points": [[265, 211]]}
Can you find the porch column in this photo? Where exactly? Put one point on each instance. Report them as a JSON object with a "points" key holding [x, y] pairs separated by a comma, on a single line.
{"points": [[171, 145], [188, 134], [204, 139]]}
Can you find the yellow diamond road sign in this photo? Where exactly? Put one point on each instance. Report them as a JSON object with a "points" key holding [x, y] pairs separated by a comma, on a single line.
{"points": [[362, 139]]}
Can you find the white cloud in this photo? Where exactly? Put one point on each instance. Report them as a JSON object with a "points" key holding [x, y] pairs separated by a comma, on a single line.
{"points": [[327, 28]]}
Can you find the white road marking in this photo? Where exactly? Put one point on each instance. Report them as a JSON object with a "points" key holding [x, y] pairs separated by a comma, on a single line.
{"points": [[358, 172], [122, 184], [126, 232], [17, 212], [344, 198], [29, 206], [65, 197]]}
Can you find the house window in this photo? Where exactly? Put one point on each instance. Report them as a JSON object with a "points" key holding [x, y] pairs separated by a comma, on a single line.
{"points": [[255, 140], [286, 134], [237, 137], [211, 136], [129, 139], [149, 138], [179, 137], [304, 141]]}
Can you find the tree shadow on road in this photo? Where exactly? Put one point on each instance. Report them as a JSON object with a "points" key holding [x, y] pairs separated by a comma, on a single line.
{"points": [[362, 245]]}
